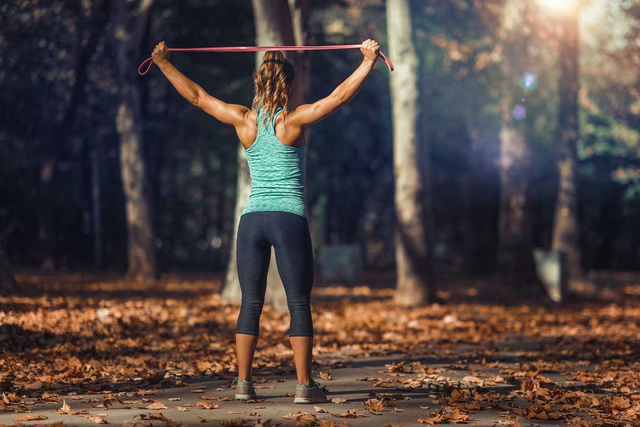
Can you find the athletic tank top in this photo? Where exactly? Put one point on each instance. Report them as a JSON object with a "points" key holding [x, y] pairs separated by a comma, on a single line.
{"points": [[277, 172]]}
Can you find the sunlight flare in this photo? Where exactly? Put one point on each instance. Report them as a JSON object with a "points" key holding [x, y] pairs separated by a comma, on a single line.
{"points": [[559, 5]]}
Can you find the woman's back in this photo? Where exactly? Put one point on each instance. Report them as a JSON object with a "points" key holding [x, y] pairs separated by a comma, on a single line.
{"points": [[277, 172]]}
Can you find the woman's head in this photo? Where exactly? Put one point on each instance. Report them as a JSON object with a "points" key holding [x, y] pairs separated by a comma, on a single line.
{"points": [[273, 83]]}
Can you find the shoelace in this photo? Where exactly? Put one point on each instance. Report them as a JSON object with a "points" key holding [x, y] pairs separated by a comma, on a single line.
{"points": [[256, 49]]}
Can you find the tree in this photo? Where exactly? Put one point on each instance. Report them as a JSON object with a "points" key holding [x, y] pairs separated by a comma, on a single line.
{"points": [[566, 234], [515, 259], [89, 34], [415, 281], [7, 281], [299, 11], [273, 22], [127, 37]]}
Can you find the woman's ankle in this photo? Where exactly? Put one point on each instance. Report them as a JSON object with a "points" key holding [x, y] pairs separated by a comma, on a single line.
{"points": [[308, 382], [244, 377]]}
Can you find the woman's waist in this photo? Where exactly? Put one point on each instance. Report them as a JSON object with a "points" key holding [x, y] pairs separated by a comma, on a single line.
{"points": [[277, 192], [277, 202]]}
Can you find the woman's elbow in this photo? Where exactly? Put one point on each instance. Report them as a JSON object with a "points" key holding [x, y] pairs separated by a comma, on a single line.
{"points": [[338, 100], [197, 96]]}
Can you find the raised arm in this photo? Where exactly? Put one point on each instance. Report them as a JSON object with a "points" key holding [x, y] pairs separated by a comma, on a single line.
{"points": [[231, 114], [308, 114]]}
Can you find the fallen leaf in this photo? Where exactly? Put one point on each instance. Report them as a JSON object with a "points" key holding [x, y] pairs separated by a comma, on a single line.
{"points": [[351, 413], [327, 376], [302, 418], [66, 409], [155, 406], [204, 404], [235, 422], [96, 419]]}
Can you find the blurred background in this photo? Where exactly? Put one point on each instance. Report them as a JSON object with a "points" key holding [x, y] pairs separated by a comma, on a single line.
{"points": [[507, 98]]}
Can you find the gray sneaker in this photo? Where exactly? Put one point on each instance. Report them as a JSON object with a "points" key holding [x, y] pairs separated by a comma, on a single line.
{"points": [[306, 394], [244, 390]]}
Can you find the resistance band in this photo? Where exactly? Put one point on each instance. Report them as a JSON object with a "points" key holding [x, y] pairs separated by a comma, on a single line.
{"points": [[259, 48]]}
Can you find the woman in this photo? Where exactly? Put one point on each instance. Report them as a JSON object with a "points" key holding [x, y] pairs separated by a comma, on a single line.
{"points": [[276, 213]]}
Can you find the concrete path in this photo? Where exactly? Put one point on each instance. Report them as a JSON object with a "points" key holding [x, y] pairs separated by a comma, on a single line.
{"points": [[206, 401]]}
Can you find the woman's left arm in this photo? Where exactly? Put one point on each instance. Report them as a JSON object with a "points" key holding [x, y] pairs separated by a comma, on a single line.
{"points": [[231, 114]]}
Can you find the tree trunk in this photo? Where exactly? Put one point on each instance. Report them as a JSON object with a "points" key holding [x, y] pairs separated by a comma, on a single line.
{"points": [[96, 206], [273, 23], [7, 281], [129, 123], [299, 11], [566, 237], [515, 245], [481, 243], [415, 284], [52, 152]]}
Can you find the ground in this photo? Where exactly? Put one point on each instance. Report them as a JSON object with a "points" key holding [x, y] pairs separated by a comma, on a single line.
{"points": [[84, 349]]}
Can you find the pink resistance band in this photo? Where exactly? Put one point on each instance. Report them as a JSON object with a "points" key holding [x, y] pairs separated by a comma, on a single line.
{"points": [[259, 48]]}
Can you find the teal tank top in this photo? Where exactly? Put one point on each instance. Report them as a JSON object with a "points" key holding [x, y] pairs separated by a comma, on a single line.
{"points": [[277, 172]]}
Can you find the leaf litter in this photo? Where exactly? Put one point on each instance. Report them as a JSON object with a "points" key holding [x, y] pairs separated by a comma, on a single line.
{"points": [[70, 336]]}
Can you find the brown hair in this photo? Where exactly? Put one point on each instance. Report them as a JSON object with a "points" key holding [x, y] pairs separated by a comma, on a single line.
{"points": [[273, 82]]}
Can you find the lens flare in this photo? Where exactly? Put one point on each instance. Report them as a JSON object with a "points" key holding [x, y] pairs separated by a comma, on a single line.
{"points": [[528, 82], [519, 112], [559, 5]]}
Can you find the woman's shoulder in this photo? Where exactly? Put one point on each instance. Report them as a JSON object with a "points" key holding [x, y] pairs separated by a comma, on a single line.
{"points": [[252, 115]]}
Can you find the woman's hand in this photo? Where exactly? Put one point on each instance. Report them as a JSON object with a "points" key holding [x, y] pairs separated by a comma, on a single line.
{"points": [[161, 54], [370, 50]]}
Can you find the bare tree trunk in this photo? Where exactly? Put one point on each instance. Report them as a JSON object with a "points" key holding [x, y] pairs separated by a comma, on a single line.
{"points": [[231, 289], [128, 34], [299, 11], [51, 156], [515, 245], [7, 281], [415, 285], [273, 23], [566, 236], [482, 239], [96, 206]]}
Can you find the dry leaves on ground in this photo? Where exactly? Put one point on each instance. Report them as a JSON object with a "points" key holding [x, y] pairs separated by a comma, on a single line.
{"points": [[68, 334]]}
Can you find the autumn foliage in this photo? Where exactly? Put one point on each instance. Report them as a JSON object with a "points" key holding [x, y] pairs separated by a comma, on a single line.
{"points": [[120, 342]]}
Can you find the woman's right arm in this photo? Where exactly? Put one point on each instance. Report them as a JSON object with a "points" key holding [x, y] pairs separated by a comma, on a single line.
{"points": [[308, 114]]}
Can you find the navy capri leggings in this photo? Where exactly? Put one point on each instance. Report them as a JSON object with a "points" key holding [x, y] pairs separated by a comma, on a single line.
{"points": [[289, 234]]}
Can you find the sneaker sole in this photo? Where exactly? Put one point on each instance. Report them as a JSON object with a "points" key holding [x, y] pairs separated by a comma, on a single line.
{"points": [[310, 400], [245, 397]]}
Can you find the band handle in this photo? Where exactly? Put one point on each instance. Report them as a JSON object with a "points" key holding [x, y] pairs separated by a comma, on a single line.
{"points": [[150, 64], [386, 60]]}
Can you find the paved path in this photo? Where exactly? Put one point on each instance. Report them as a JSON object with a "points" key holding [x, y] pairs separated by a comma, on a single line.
{"points": [[275, 400]]}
